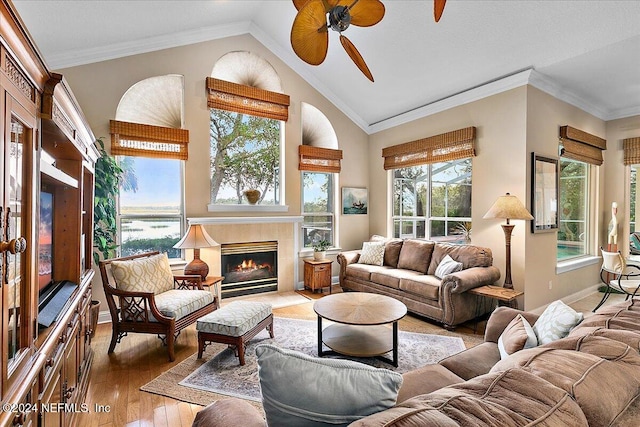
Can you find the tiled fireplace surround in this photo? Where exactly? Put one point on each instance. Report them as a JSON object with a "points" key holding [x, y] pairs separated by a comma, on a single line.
{"points": [[283, 229]]}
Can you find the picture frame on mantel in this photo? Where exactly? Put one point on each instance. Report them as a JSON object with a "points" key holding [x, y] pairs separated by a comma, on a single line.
{"points": [[544, 193], [355, 201]]}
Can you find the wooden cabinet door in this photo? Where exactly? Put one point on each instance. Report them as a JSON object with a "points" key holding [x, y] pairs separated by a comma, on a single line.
{"points": [[19, 299], [51, 397]]}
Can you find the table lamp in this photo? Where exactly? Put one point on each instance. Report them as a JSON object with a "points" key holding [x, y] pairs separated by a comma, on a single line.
{"points": [[196, 238], [508, 207]]}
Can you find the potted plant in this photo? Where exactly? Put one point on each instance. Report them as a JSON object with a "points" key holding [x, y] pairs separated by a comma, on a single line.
{"points": [[320, 249]]}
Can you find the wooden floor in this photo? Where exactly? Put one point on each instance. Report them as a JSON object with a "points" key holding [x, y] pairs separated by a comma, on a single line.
{"points": [[116, 379]]}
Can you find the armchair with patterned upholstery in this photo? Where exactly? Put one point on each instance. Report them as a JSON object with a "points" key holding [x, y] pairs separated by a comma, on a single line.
{"points": [[144, 296]]}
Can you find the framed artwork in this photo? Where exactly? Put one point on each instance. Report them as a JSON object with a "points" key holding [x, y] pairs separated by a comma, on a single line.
{"points": [[355, 201], [544, 193]]}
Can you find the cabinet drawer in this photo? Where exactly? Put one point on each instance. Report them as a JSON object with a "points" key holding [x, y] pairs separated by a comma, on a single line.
{"points": [[324, 267]]}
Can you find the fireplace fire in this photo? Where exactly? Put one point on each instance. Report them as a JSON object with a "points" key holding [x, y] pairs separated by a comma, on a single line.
{"points": [[249, 268]]}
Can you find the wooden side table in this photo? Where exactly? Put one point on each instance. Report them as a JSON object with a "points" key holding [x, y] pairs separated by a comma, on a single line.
{"points": [[317, 274], [497, 293]]}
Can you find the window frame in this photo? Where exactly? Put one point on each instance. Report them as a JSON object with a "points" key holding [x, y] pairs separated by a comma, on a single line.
{"points": [[331, 201], [180, 216], [588, 225], [428, 218]]}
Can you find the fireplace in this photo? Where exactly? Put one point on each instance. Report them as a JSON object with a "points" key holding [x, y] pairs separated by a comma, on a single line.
{"points": [[249, 268]]}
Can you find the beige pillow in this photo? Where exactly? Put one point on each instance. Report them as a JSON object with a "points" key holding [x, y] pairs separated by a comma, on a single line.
{"points": [[148, 274], [372, 253], [517, 336]]}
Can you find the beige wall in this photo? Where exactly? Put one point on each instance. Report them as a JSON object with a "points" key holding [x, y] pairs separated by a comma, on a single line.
{"points": [[99, 87], [498, 168], [617, 176], [509, 125]]}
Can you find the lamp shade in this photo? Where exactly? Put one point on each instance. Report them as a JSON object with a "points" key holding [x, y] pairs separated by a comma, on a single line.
{"points": [[508, 207], [195, 238]]}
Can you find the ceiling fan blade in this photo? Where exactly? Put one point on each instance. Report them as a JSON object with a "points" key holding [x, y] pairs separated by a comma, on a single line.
{"points": [[438, 8], [364, 13], [355, 56], [328, 4], [309, 38]]}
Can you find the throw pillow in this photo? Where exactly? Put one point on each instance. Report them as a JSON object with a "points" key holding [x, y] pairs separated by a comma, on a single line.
{"points": [[555, 322], [372, 253], [517, 336], [300, 390], [148, 274], [447, 266]]}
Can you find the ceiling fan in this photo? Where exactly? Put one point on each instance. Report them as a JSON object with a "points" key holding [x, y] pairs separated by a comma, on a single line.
{"points": [[310, 30]]}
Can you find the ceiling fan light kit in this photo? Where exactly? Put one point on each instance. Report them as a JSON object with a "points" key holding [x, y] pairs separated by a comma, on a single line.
{"points": [[309, 33]]}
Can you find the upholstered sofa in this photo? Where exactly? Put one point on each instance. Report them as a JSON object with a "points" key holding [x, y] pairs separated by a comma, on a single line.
{"points": [[589, 378], [408, 273]]}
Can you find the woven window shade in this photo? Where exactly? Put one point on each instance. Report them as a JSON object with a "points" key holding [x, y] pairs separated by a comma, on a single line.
{"points": [[457, 144], [243, 99], [582, 146], [135, 139], [318, 159], [631, 147]]}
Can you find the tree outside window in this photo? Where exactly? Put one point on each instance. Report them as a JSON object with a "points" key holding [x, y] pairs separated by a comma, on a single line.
{"points": [[573, 209], [317, 207], [150, 205], [245, 154], [433, 201]]}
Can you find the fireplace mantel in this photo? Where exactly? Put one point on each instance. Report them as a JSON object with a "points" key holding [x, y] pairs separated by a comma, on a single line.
{"points": [[244, 220]]}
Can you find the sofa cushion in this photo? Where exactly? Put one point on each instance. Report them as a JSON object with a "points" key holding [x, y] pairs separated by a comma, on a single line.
{"points": [[447, 266], [423, 285], [392, 248], [630, 338], [180, 302], [555, 322], [603, 388], [469, 255], [300, 390], [363, 271], [415, 255], [148, 274], [473, 362], [372, 253], [229, 412], [426, 379], [506, 399], [390, 277], [517, 336]]}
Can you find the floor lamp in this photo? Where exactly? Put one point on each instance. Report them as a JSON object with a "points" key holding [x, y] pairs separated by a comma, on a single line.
{"points": [[195, 238], [508, 207]]}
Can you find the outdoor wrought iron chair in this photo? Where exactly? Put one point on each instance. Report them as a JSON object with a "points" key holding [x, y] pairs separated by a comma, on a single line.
{"points": [[618, 276]]}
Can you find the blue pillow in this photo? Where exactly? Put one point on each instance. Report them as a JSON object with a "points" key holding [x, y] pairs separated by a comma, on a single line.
{"points": [[299, 390]]}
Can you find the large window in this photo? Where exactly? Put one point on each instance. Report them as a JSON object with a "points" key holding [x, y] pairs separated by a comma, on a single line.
{"points": [[573, 232], [245, 155], [433, 201], [317, 207], [151, 208]]}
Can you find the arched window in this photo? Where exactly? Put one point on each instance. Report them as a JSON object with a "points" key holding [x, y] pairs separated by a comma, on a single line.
{"points": [[247, 115]]}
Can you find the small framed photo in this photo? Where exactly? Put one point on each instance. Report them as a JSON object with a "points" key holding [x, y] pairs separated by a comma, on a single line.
{"points": [[355, 201], [544, 193]]}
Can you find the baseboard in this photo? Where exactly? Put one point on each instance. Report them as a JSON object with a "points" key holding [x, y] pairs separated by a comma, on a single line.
{"points": [[570, 299]]}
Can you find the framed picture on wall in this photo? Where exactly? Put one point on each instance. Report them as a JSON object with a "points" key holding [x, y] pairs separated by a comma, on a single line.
{"points": [[544, 193], [355, 201]]}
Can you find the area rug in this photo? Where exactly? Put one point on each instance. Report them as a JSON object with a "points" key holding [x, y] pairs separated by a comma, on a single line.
{"points": [[218, 375]]}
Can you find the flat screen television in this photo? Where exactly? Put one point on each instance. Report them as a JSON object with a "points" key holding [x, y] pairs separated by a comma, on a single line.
{"points": [[45, 241]]}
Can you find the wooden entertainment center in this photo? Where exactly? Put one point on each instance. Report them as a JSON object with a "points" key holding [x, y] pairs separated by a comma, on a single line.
{"points": [[47, 147]]}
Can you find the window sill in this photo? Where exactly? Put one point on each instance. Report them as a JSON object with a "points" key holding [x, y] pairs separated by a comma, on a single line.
{"points": [[308, 253], [576, 264], [248, 208]]}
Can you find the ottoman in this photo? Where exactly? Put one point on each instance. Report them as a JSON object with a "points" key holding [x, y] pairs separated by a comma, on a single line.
{"points": [[234, 324]]}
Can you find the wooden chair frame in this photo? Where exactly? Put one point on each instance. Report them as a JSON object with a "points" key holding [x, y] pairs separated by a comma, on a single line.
{"points": [[133, 311]]}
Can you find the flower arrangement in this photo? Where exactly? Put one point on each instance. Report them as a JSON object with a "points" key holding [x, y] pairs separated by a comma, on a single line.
{"points": [[321, 245]]}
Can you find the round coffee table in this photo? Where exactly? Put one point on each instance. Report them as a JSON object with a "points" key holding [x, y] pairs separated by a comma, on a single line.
{"points": [[360, 328]]}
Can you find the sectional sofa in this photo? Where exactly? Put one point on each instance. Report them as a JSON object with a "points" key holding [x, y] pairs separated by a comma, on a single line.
{"points": [[589, 378], [408, 273]]}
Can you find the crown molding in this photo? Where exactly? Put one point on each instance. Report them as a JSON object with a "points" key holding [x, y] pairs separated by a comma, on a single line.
{"points": [[136, 47]]}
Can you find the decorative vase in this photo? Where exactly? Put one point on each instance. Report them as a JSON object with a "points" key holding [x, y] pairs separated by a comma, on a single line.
{"points": [[318, 255], [252, 196]]}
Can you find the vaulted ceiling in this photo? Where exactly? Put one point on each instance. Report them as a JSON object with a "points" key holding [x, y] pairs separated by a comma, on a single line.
{"points": [[584, 52]]}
